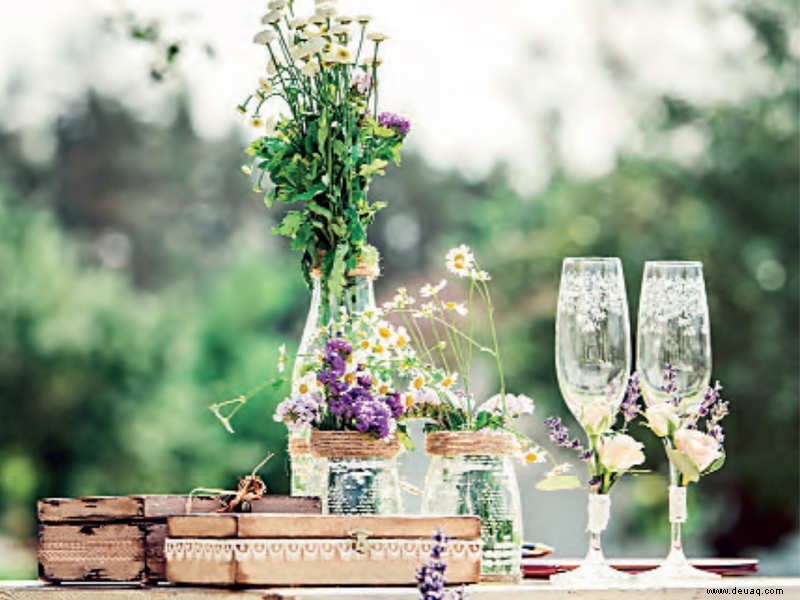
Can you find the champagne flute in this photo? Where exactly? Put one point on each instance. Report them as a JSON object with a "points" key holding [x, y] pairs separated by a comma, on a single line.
{"points": [[593, 361], [674, 335]]}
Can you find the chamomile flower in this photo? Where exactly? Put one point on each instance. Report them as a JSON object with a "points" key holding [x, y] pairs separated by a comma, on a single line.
{"points": [[429, 290], [339, 31], [339, 54], [449, 380], [460, 260], [256, 121], [271, 18], [559, 470], [457, 307], [307, 384], [265, 37], [369, 61], [377, 37], [298, 23], [363, 19], [533, 455], [479, 275], [344, 20], [277, 5], [325, 9], [310, 69], [264, 84], [271, 126]]}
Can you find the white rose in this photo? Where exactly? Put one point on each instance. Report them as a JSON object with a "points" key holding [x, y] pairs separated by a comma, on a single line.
{"points": [[620, 452], [597, 416], [659, 416], [700, 447]]}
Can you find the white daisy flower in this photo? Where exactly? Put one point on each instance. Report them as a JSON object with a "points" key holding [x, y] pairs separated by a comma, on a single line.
{"points": [[339, 30], [460, 260], [479, 275], [271, 18], [298, 23], [277, 5], [534, 455], [377, 37], [429, 290], [363, 19], [338, 54], [344, 20], [369, 61], [449, 380], [264, 84], [311, 68], [427, 396], [307, 384], [271, 126], [326, 10], [265, 37], [515, 405], [457, 307]]}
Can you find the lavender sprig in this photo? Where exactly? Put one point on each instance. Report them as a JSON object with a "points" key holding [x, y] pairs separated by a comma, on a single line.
{"points": [[559, 435], [430, 577], [630, 405]]}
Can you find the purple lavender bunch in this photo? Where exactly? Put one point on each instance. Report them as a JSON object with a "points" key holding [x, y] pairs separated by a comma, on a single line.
{"points": [[559, 435], [430, 576], [630, 405], [394, 121]]}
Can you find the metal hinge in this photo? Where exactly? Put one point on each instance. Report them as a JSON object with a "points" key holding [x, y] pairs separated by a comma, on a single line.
{"points": [[358, 540]]}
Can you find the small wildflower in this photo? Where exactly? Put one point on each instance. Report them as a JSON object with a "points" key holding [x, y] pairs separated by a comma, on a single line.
{"points": [[247, 169], [265, 37], [256, 121], [429, 290], [459, 260], [272, 17], [363, 19], [377, 37]]}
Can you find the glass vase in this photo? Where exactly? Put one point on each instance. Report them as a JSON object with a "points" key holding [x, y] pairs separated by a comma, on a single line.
{"points": [[593, 571], [361, 474], [471, 473], [309, 473], [676, 566]]}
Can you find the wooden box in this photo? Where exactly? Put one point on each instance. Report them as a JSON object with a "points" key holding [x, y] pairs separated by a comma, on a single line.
{"points": [[277, 550], [121, 538]]}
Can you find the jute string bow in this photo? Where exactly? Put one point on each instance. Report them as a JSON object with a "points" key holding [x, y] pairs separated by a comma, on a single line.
{"points": [[251, 487]]}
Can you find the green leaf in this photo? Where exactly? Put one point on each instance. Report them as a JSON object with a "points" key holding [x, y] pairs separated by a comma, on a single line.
{"points": [[289, 225], [404, 439], [558, 482], [318, 209], [373, 168], [336, 280], [308, 194], [716, 465], [684, 464]]}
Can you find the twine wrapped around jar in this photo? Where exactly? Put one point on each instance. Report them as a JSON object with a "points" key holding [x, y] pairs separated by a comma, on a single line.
{"points": [[299, 446], [352, 444], [471, 443]]}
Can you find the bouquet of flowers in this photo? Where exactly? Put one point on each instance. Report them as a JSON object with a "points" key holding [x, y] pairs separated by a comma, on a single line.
{"points": [[680, 424], [611, 452], [355, 382], [325, 138], [444, 335]]}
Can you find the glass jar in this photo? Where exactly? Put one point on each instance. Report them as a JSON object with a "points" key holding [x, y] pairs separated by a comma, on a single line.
{"points": [[471, 473], [362, 476], [308, 473]]}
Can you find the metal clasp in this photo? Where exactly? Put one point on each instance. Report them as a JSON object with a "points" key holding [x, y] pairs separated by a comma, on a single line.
{"points": [[358, 538]]}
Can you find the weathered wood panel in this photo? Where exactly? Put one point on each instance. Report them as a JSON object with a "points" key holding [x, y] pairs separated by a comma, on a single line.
{"points": [[98, 552]]}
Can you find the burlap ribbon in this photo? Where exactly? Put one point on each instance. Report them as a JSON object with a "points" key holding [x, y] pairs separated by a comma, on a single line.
{"points": [[299, 446], [352, 444], [471, 443]]}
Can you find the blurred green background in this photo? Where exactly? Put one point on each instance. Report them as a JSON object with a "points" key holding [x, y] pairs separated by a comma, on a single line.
{"points": [[139, 284]]}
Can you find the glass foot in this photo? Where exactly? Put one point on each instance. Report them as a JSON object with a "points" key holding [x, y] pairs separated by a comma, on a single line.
{"points": [[590, 575], [676, 567]]}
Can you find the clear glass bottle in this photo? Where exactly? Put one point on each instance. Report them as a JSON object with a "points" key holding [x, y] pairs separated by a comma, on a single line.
{"points": [[486, 486], [362, 486], [308, 473]]}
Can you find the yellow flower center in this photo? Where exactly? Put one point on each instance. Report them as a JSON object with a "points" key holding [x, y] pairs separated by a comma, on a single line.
{"points": [[409, 401], [350, 378], [384, 332], [377, 349], [531, 457], [419, 382], [401, 341], [447, 382], [303, 388], [383, 389], [365, 344]]}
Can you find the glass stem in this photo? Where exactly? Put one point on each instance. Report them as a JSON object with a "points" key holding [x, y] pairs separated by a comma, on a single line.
{"points": [[677, 514], [676, 547]]}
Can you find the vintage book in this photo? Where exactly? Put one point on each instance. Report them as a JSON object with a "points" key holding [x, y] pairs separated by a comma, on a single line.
{"points": [[272, 550], [121, 538]]}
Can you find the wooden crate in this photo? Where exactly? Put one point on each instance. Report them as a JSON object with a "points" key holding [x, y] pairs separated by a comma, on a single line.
{"points": [[121, 538], [277, 550]]}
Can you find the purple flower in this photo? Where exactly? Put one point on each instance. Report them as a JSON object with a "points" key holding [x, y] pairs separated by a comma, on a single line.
{"points": [[339, 346], [395, 404], [394, 121], [430, 576], [365, 381], [670, 375], [298, 412], [373, 416], [716, 432], [361, 82], [630, 404]]}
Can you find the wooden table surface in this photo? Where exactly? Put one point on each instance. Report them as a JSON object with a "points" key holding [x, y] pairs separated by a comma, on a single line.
{"points": [[734, 586]]}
